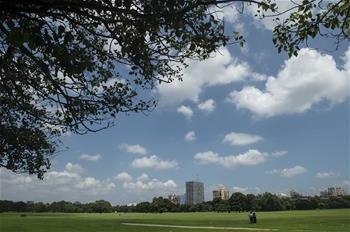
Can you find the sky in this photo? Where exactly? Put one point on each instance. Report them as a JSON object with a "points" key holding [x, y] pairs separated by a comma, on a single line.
{"points": [[249, 119]]}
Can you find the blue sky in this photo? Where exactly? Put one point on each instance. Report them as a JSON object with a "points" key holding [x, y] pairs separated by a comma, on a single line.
{"points": [[250, 119]]}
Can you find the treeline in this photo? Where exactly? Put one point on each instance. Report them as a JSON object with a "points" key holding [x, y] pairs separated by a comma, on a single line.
{"points": [[237, 202], [240, 202], [100, 206]]}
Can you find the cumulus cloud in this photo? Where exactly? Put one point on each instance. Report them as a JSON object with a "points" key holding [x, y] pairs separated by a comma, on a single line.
{"points": [[289, 172], [325, 175], [143, 184], [249, 158], [91, 157], [190, 136], [303, 82], [234, 138], [207, 106], [143, 177], [221, 69], [134, 149], [7, 176], [153, 162], [227, 12], [74, 168], [123, 176], [154, 184], [186, 111], [346, 59], [67, 184]]}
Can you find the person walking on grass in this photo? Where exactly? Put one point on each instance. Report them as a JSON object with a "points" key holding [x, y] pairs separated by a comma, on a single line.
{"points": [[250, 216], [254, 217]]}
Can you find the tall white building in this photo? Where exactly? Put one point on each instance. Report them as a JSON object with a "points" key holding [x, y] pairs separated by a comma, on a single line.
{"points": [[221, 193]]}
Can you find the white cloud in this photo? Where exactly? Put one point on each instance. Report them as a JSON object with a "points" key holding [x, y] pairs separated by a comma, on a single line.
{"points": [[112, 46], [227, 12], [346, 59], [67, 184], [143, 177], [221, 69], [274, 171], [190, 136], [279, 153], [249, 158], [141, 186], [123, 176], [289, 172], [134, 149], [74, 168], [88, 182], [186, 111], [153, 162], [207, 106], [303, 82], [91, 157], [324, 175], [7, 176], [234, 138]]}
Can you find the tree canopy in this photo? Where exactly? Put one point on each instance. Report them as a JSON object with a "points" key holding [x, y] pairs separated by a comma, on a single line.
{"points": [[61, 61], [260, 202]]}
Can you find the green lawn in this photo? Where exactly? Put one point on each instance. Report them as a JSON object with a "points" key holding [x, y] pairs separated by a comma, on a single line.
{"points": [[313, 220]]}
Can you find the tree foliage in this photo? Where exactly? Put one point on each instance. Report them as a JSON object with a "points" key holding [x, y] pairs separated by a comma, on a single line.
{"points": [[311, 18], [262, 202], [61, 61]]}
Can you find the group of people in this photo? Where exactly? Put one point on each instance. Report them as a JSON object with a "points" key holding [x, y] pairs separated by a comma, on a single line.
{"points": [[252, 217]]}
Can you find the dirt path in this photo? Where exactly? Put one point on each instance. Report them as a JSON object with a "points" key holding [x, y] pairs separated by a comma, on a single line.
{"points": [[200, 227]]}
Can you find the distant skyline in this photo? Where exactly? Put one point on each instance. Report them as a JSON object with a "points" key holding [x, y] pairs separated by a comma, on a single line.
{"points": [[247, 118]]}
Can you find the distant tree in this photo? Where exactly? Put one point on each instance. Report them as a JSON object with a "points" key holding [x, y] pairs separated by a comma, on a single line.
{"points": [[337, 202], [40, 207], [161, 205], [269, 202], [143, 207], [6, 206], [223, 206], [102, 206], [238, 202], [251, 203], [20, 206], [287, 203], [61, 61], [264, 202]]}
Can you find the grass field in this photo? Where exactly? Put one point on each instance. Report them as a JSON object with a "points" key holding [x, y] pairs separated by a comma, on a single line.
{"points": [[313, 220]]}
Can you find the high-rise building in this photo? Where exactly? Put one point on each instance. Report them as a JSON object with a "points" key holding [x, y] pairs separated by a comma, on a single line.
{"points": [[194, 192], [221, 193], [339, 191], [333, 192]]}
